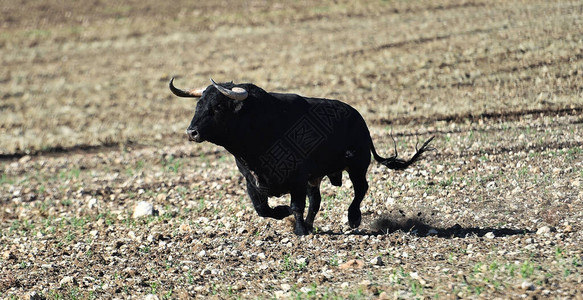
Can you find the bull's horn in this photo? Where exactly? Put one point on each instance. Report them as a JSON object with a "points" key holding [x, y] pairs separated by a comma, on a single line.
{"points": [[236, 93], [194, 93]]}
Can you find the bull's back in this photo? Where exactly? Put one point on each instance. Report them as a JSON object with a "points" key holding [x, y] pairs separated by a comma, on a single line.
{"points": [[340, 133]]}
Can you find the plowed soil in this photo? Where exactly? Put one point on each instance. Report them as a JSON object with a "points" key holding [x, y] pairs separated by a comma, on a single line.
{"points": [[89, 129]]}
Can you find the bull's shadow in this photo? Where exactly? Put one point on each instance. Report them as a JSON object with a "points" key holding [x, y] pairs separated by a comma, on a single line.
{"points": [[419, 227]]}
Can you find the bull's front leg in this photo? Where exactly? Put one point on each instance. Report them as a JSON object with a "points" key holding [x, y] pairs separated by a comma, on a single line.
{"points": [[262, 207]]}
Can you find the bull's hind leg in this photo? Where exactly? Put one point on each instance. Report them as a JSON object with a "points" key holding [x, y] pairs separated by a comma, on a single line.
{"points": [[262, 207], [335, 178], [315, 199], [298, 204], [358, 178]]}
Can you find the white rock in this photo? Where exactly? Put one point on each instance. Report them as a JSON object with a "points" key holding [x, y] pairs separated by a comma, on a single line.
{"points": [[67, 280], [543, 230], [281, 295], [527, 285], [377, 261], [285, 287], [24, 159], [490, 235], [92, 203], [143, 209], [302, 261], [151, 297]]}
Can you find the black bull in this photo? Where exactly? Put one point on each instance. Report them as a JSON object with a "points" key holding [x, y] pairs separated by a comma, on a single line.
{"points": [[286, 143]]}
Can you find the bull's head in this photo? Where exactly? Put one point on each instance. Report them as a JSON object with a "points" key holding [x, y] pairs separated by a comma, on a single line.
{"points": [[215, 110]]}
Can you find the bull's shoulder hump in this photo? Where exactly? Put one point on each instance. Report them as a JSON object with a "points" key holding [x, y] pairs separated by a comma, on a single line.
{"points": [[286, 96], [332, 103], [312, 101]]}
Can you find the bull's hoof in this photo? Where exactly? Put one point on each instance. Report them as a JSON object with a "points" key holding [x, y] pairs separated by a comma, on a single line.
{"points": [[281, 211], [310, 227], [301, 230], [354, 218]]}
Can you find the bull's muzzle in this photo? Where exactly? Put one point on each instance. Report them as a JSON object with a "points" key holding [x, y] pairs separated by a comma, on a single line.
{"points": [[193, 135]]}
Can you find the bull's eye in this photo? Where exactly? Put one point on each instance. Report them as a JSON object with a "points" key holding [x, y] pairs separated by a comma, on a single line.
{"points": [[218, 109]]}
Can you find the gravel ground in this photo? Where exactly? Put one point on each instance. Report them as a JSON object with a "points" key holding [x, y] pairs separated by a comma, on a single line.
{"points": [[102, 196]]}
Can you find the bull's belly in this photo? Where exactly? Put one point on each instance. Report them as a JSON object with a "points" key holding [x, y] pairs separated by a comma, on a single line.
{"points": [[276, 186]]}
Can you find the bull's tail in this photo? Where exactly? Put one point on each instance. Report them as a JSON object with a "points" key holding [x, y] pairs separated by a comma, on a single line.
{"points": [[398, 164]]}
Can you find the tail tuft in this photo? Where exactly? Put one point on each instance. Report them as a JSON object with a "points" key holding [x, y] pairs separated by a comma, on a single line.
{"points": [[399, 164]]}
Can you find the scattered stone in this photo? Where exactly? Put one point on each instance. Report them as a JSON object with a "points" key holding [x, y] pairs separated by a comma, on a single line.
{"points": [[92, 203], [24, 159], [490, 235], [526, 285], [185, 228], [129, 272], [205, 272], [35, 296], [8, 255], [281, 295], [67, 280], [151, 297], [352, 264], [302, 261], [285, 287], [568, 228], [143, 209]]}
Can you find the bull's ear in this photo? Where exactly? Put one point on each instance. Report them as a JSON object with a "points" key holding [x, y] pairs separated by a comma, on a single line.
{"points": [[239, 105]]}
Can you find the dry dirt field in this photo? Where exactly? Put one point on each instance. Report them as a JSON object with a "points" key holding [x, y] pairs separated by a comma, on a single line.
{"points": [[89, 129]]}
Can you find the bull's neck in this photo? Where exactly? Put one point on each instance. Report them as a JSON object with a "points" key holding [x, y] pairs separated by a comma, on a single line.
{"points": [[247, 148]]}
